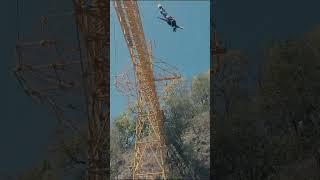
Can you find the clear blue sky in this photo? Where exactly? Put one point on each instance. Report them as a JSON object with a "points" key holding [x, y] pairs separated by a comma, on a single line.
{"points": [[187, 49]]}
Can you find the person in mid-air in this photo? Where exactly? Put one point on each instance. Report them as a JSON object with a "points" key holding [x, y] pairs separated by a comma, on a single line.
{"points": [[169, 19]]}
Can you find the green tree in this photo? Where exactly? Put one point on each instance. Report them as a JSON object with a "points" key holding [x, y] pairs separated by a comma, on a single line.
{"points": [[276, 126], [126, 128], [289, 98], [200, 92]]}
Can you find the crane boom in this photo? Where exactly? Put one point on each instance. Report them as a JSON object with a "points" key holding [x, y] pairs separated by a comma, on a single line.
{"points": [[148, 162]]}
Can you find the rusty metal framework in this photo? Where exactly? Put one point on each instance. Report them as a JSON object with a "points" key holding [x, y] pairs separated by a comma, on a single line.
{"points": [[150, 151], [71, 74], [93, 24], [166, 78]]}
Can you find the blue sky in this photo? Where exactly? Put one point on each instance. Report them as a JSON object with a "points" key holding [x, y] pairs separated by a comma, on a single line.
{"points": [[187, 49]]}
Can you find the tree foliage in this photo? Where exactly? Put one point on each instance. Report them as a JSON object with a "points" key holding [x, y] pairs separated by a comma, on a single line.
{"points": [[261, 135], [126, 129], [200, 92]]}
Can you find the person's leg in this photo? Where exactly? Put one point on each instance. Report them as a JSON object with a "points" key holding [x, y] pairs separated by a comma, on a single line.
{"points": [[174, 23]]}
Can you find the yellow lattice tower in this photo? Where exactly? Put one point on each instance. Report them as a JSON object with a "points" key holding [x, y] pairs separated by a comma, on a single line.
{"points": [[148, 162]]}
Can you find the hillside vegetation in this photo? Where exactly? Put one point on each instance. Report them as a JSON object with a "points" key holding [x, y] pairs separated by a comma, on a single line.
{"points": [[269, 130]]}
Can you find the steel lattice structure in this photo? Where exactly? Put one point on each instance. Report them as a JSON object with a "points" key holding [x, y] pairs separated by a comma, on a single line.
{"points": [[93, 23], [72, 76], [149, 152]]}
